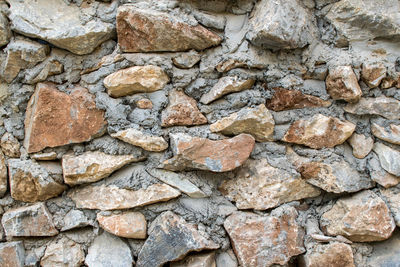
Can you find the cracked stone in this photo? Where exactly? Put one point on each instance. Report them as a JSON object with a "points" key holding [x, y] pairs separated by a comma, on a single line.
{"points": [[63, 252]]}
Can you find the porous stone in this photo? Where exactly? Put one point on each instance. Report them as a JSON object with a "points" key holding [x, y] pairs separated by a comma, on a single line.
{"points": [[386, 107], [361, 145], [204, 154], [127, 224], [390, 134], [197, 260], [342, 83], [363, 217], [186, 60], [12, 254], [171, 238], [146, 30], [392, 199], [373, 74], [136, 79], [54, 118], [3, 175], [333, 255], [63, 252], [255, 121], [138, 138], [10, 146], [388, 158], [5, 32], [319, 131]]}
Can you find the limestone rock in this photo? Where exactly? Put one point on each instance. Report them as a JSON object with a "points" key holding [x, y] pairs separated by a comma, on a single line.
{"points": [[63, 252], [136, 79], [170, 239], [333, 254], [224, 86], [5, 33], [75, 219], [361, 145], [258, 185], [12, 254], [138, 138], [60, 24], [103, 197], [257, 122], [363, 217], [197, 260], [34, 220], [10, 146], [342, 83], [265, 240], [182, 110], [388, 158], [319, 132], [383, 106], [54, 118], [146, 30], [373, 74], [204, 154], [127, 224], [392, 199], [391, 135], [3, 175], [186, 60]]}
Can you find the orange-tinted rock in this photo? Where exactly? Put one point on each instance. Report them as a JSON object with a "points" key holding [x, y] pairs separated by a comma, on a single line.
{"points": [[342, 83], [204, 154], [12, 254], [373, 74], [144, 103], [329, 255], [128, 224], [54, 118], [285, 99], [230, 64]]}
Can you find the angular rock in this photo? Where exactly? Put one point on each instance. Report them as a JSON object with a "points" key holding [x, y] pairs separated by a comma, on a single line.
{"points": [[361, 145], [92, 166], [136, 79], [257, 122], [342, 83], [12, 254], [284, 99], [319, 132], [186, 60], [146, 30], [388, 82], [363, 217], [3, 175], [265, 240], [386, 107], [34, 220], [392, 199], [5, 32], [373, 74], [127, 224], [226, 259], [391, 135], [112, 198], [379, 175], [333, 254], [257, 185], [10, 146], [197, 260], [138, 138], [182, 110], [60, 24], [389, 158], [224, 86], [54, 118], [204, 154], [171, 238], [75, 219], [63, 252]]}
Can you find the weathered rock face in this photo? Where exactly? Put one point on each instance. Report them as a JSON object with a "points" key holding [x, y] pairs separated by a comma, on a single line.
{"points": [[138, 138], [379, 175], [128, 224], [342, 83], [204, 154], [258, 185], [386, 107], [63, 252], [265, 240], [12, 254], [34, 220], [182, 110], [363, 217], [197, 260], [5, 32], [392, 198], [146, 30], [3, 175], [388, 158], [391, 134], [54, 118], [136, 79], [170, 239], [255, 121], [385, 253], [58, 23], [333, 254], [187, 60], [361, 145], [10, 146], [373, 74], [319, 132], [75, 219]]}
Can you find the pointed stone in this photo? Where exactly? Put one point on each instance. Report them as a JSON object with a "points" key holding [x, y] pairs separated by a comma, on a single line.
{"points": [[361, 145], [127, 224], [12, 254], [138, 138], [332, 255], [373, 74], [389, 158], [342, 83], [391, 134], [197, 260], [10, 146], [63, 252], [386, 107], [3, 175]]}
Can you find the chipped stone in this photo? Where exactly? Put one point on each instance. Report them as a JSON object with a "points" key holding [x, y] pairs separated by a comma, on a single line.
{"points": [[388, 158], [373, 74], [141, 139], [386, 107], [342, 83], [63, 252], [127, 224], [10, 146], [361, 145], [391, 134]]}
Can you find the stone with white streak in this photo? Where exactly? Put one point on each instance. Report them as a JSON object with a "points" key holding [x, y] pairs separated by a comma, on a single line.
{"points": [[373, 74], [141, 139]]}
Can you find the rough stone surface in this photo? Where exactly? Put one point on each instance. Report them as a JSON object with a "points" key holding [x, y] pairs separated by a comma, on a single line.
{"points": [[373, 74], [144, 103], [388, 158], [10, 146], [12, 254], [75, 219], [385, 253], [361, 145], [391, 134], [379, 175], [187, 60], [5, 32], [333, 254], [204, 154], [3, 175], [386, 107], [342, 83], [44, 156], [392, 199], [128, 224], [197, 260], [139, 138], [63, 252]]}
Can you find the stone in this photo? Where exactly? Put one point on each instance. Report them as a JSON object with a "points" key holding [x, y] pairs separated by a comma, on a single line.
{"points": [[373, 74], [197, 260], [362, 217], [361, 145], [5, 32], [182, 110], [391, 134], [136, 79], [63, 252], [333, 254], [75, 219], [109, 250], [204, 154], [141, 139], [54, 118], [280, 25], [3, 175], [60, 24], [10, 146], [230, 64], [265, 240], [319, 131], [379, 175], [12, 254], [388, 82], [386, 107], [224, 86], [385, 253], [392, 199], [44, 156], [171, 238], [388, 157], [127, 224], [103, 197], [186, 60], [147, 30], [92, 166], [144, 103], [342, 84], [226, 259], [260, 186], [257, 122], [284, 99], [50, 68], [34, 220]]}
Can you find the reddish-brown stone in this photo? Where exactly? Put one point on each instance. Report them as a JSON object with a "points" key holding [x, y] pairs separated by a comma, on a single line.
{"points": [[342, 83]]}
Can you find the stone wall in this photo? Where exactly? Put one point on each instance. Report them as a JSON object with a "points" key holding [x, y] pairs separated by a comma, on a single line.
{"points": [[200, 133]]}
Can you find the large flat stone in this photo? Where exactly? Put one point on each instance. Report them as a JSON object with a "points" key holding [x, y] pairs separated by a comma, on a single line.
{"points": [[386, 107], [141, 139], [127, 224]]}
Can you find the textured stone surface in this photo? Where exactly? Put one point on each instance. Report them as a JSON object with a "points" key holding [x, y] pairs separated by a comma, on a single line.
{"points": [[389, 134], [5, 32], [379, 175], [319, 132], [44, 156], [342, 83], [141, 139], [386, 107], [10, 146], [12, 254], [385, 253], [187, 60], [255, 121], [170, 239], [204, 154], [392, 199], [136, 79], [388, 158], [75, 219], [144, 103], [182, 110], [373, 74], [63, 252], [197, 260], [128, 224], [332, 255], [54, 118], [363, 217], [361, 145], [265, 240], [3, 175]]}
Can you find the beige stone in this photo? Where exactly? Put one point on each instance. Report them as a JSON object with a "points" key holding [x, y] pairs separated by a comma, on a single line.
{"points": [[10, 146], [63, 252], [373, 74], [3, 175], [342, 83], [361, 145], [386, 107], [139, 138], [388, 158], [144, 103], [197, 260], [44, 156], [329, 255], [5, 31], [379, 175], [391, 134], [392, 199], [127, 224], [186, 60], [12, 254]]}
